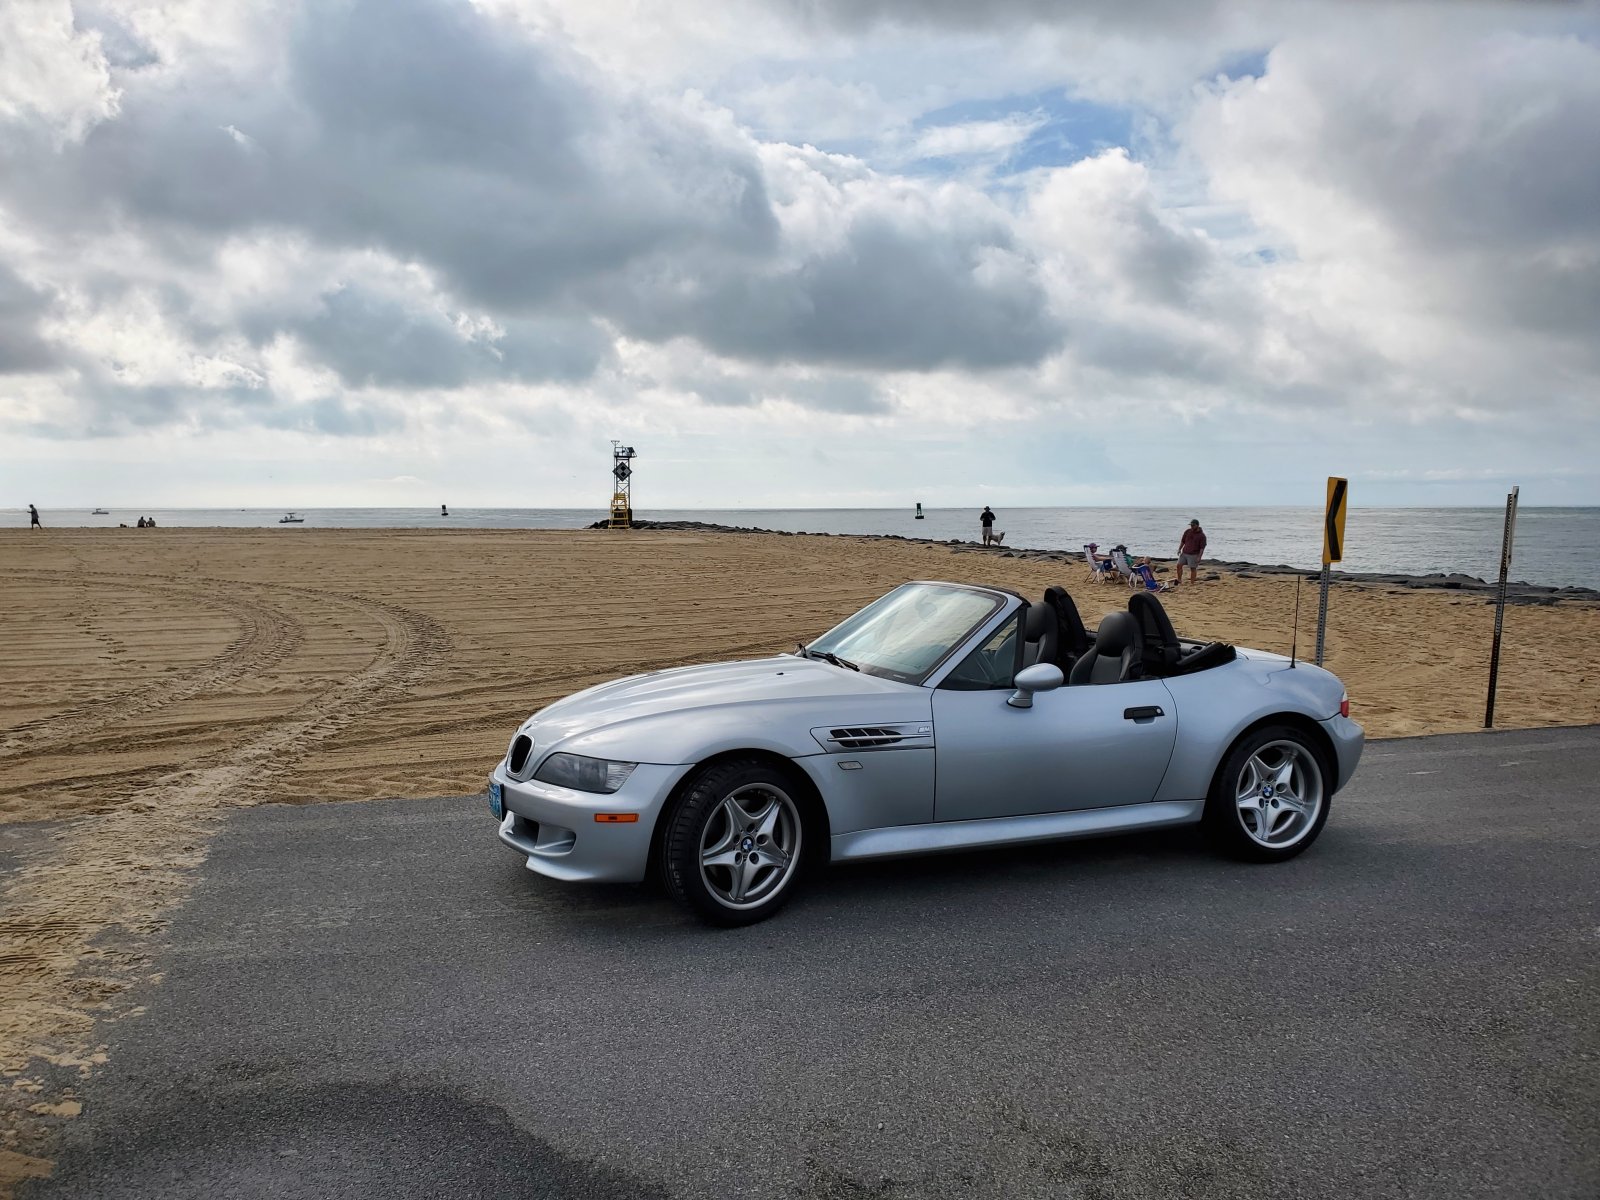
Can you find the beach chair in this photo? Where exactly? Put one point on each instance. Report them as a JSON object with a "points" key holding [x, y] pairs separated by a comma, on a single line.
{"points": [[1122, 564], [1100, 569], [1143, 579]]}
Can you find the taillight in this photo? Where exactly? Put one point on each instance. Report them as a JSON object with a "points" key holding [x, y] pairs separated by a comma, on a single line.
{"points": [[1344, 706]]}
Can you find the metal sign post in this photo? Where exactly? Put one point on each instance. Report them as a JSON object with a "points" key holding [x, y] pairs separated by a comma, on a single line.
{"points": [[1500, 604], [1332, 548], [1322, 614]]}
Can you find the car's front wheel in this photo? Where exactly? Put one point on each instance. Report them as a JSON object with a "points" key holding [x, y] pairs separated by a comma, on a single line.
{"points": [[733, 846], [1270, 798]]}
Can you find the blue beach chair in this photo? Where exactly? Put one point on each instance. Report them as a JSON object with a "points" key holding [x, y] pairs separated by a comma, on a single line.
{"points": [[1143, 579]]}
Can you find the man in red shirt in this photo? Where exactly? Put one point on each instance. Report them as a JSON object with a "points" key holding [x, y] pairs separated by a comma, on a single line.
{"points": [[1190, 547]]}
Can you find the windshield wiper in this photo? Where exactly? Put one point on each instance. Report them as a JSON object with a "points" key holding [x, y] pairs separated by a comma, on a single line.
{"points": [[805, 651]]}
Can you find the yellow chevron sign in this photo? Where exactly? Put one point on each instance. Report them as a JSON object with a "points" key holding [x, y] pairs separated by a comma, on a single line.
{"points": [[1333, 520]]}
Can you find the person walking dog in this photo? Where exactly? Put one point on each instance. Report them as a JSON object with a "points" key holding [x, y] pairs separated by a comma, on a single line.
{"points": [[1190, 547]]}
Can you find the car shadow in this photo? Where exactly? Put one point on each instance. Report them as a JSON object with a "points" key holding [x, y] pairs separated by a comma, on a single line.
{"points": [[1004, 878]]}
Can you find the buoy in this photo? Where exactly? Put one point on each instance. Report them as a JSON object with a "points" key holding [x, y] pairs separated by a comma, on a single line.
{"points": [[443, 511], [919, 510]]}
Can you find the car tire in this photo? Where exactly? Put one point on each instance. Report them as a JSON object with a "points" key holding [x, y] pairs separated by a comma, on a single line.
{"points": [[735, 843], [1271, 796]]}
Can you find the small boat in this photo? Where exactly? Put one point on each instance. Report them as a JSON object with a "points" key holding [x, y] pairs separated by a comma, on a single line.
{"points": [[99, 512], [290, 519]]}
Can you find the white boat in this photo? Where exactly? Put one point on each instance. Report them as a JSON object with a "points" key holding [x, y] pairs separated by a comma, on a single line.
{"points": [[290, 519], [100, 512]]}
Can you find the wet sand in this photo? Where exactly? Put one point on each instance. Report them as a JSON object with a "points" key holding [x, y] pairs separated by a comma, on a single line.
{"points": [[150, 679]]}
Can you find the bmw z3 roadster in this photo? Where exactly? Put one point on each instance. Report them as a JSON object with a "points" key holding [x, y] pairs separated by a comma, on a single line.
{"points": [[940, 717]]}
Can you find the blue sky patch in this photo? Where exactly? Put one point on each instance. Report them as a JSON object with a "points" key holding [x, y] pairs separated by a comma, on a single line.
{"points": [[1072, 129]]}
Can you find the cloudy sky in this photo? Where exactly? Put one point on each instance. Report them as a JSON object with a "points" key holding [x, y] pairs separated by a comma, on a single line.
{"points": [[798, 252]]}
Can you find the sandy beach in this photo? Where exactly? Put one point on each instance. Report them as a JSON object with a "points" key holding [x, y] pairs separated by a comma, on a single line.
{"points": [[150, 679]]}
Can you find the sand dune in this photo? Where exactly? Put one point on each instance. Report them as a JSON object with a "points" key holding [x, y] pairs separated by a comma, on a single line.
{"points": [[150, 679]]}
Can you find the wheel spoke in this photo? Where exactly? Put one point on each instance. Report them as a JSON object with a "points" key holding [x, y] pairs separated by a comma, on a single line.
{"points": [[773, 855], [1249, 779], [719, 857], [739, 817], [743, 875], [729, 837], [767, 822], [1251, 804], [1284, 775]]}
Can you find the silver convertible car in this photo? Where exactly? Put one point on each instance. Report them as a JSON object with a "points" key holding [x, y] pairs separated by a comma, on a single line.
{"points": [[940, 717]]}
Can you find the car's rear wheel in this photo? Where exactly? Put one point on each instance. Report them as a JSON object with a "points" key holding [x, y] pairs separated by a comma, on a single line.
{"points": [[1270, 798], [735, 842]]}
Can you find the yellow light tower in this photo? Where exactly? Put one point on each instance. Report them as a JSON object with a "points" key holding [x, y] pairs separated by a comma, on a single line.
{"points": [[622, 498]]}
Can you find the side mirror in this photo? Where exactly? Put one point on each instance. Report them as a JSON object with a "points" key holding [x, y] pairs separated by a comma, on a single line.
{"points": [[1041, 677]]}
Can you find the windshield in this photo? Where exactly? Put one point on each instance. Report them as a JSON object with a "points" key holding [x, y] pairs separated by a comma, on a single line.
{"points": [[907, 633]]}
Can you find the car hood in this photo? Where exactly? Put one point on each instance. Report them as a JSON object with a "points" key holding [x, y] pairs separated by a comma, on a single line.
{"points": [[753, 693]]}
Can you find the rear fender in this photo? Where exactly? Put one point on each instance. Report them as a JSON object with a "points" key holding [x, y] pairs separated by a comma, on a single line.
{"points": [[1217, 707]]}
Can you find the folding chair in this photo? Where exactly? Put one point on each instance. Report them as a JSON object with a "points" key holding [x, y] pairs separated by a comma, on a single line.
{"points": [[1100, 569]]}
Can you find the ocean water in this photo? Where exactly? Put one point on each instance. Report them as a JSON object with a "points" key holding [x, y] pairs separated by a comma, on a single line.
{"points": [[1559, 546]]}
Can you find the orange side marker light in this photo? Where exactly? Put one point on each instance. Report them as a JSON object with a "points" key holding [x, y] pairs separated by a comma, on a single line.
{"points": [[616, 818]]}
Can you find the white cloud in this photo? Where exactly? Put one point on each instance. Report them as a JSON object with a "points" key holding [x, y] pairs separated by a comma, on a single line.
{"points": [[987, 138], [1434, 206], [52, 75]]}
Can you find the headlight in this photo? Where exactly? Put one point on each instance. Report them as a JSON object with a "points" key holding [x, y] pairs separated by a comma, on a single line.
{"points": [[584, 774]]}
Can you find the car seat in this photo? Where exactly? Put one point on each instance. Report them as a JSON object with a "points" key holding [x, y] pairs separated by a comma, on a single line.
{"points": [[1161, 650], [1117, 654], [1040, 635], [1072, 637]]}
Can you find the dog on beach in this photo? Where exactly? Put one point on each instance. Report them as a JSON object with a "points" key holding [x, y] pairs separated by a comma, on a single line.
{"points": [[996, 538]]}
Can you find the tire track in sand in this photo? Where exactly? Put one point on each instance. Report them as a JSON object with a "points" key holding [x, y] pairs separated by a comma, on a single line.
{"points": [[126, 869], [266, 635], [413, 643]]}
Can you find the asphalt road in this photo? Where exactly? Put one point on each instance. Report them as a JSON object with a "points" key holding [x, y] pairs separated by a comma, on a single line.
{"points": [[377, 1000]]}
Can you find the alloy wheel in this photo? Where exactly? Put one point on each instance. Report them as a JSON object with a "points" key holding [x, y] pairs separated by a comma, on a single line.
{"points": [[1279, 794], [750, 846]]}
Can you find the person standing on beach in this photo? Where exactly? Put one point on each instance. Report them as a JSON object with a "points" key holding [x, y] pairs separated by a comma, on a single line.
{"points": [[1190, 547], [33, 518], [986, 519]]}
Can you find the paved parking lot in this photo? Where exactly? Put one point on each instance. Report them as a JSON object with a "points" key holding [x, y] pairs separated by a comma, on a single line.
{"points": [[378, 1000]]}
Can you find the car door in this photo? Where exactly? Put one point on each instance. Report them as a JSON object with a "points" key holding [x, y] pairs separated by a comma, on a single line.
{"points": [[1091, 746]]}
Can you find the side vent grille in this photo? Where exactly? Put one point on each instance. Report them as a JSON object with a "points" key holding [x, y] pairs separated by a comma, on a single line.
{"points": [[864, 737], [521, 751]]}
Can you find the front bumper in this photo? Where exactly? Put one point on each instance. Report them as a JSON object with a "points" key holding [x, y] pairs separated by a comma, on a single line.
{"points": [[1348, 738], [555, 827]]}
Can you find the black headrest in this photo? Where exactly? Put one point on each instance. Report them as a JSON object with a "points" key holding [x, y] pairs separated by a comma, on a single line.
{"points": [[1041, 619], [1160, 639], [1073, 635], [1118, 631]]}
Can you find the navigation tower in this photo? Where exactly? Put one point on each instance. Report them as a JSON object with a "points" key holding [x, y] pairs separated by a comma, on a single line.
{"points": [[622, 497]]}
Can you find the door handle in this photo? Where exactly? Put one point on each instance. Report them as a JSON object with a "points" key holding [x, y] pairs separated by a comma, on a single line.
{"points": [[1142, 714]]}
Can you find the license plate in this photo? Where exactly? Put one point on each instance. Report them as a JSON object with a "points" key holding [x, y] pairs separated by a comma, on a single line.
{"points": [[496, 801]]}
